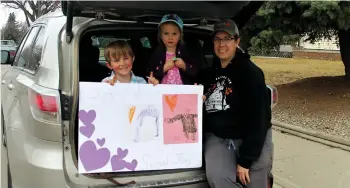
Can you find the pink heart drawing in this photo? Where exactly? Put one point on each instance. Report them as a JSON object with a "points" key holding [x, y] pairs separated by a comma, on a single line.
{"points": [[87, 130], [101, 142], [132, 165], [122, 153], [87, 117], [117, 163], [93, 158]]}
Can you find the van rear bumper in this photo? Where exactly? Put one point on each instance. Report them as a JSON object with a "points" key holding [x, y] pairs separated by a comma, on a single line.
{"points": [[34, 162], [39, 163], [198, 181]]}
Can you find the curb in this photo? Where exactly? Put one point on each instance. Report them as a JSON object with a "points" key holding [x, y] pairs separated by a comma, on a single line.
{"points": [[321, 138]]}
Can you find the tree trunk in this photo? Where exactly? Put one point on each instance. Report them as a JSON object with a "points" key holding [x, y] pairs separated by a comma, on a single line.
{"points": [[344, 44]]}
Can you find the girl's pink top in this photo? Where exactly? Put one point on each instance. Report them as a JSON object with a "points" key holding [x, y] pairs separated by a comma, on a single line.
{"points": [[172, 76]]}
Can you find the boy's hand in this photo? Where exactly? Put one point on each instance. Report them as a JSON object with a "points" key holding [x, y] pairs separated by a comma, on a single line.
{"points": [[152, 80], [180, 63], [112, 81], [169, 64]]}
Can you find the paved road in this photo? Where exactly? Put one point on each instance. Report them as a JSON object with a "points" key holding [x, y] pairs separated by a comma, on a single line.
{"points": [[299, 163]]}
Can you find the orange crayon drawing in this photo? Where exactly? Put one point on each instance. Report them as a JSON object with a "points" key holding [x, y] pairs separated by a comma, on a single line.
{"points": [[131, 113], [171, 100]]}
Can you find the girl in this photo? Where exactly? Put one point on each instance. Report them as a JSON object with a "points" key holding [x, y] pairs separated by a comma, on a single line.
{"points": [[171, 62], [119, 58]]}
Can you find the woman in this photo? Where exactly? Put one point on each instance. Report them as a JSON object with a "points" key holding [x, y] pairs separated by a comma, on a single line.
{"points": [[237, 115]]}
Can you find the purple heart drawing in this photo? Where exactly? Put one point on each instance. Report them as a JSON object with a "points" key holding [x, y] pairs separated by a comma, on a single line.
{"points": [[132, 165], [93, 158], [122, 153], [87, 130], [87, 117], [101, 142], [117, 163]]}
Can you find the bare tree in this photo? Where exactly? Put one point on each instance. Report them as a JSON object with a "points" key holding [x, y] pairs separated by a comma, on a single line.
{"points": [[11, 31], [33, 9]]}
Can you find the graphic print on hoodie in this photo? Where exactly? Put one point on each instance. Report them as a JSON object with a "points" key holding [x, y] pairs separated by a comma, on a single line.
{"points": [[217, 95]]}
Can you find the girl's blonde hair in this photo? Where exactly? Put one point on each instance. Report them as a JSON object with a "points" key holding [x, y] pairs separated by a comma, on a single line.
{"points": [[117, 49], [160, 32]]}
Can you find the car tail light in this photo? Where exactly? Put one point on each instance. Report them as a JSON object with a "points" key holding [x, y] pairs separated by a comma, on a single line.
{"points": [[12, 53], [274, 95], [44, 104]]}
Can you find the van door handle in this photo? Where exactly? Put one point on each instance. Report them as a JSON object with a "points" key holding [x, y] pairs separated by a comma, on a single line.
{"points": [[10, 86], [3, 82]]}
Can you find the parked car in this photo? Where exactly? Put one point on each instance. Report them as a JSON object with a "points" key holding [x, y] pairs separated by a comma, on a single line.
{"points": [[40, 91], [6, 61], [10, 46], [5, 57]]}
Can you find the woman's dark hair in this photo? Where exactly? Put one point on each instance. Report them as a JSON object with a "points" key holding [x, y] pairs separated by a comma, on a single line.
{"points": [[235, 36]]}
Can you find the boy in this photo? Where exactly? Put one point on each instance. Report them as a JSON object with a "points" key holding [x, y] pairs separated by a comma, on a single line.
{"points": [[119, 58]]}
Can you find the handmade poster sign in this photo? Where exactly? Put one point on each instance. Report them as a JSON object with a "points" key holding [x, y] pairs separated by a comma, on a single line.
{"points": [[137, 127]]}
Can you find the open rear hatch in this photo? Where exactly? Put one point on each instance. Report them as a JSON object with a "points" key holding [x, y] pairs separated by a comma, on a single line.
{"points": [[192, 12]]}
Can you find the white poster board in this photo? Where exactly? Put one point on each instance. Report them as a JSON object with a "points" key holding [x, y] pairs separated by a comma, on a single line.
{"points": [[137, 127]]}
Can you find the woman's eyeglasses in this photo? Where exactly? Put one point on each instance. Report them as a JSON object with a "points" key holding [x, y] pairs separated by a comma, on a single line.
{"points": [[225, 40]]}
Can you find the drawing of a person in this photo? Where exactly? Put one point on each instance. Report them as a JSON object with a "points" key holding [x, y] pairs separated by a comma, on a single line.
{"points": [[188, 123], [151, 111]]}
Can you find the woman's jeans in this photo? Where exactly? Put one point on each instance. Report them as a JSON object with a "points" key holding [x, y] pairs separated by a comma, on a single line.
{"points": [[221, 162]]}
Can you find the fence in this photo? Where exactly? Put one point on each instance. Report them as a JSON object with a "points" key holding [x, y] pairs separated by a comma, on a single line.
{"points": [[273, 54], [305, 54]]}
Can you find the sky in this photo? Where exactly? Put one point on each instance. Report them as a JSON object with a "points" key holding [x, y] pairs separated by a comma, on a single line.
{"points": [[5, 11]]}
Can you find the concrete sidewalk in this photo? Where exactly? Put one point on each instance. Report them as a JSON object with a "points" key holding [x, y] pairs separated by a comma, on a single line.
{"points": [[300, 163]]}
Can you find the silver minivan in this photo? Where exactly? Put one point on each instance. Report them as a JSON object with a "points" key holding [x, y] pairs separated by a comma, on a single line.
{"points": [[39, 93]]}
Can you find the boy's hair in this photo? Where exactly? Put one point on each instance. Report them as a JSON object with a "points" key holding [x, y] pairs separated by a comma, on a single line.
{"points": [[116, 49], [160, 32]]}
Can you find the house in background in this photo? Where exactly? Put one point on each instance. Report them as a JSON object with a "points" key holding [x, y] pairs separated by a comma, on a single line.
{"points": [[322, 49], [323, 44]]}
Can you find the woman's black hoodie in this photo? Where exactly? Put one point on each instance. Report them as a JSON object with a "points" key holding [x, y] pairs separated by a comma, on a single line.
{"points": [[237, 105]]}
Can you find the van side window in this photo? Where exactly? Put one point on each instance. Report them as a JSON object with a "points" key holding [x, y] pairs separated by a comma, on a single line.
{"points": [[35, 59], [23, 56]]}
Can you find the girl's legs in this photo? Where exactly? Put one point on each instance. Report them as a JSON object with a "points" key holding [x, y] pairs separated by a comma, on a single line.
{"points": [[220, 163]]}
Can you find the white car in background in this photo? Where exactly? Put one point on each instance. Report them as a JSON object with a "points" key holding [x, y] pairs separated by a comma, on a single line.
{"points": [[10, 46]]}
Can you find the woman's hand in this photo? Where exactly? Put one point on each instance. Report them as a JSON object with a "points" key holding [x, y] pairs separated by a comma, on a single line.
{"points": [[243, 175], [152, 80], [203, 96], [169, 64], [180, 63]]}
